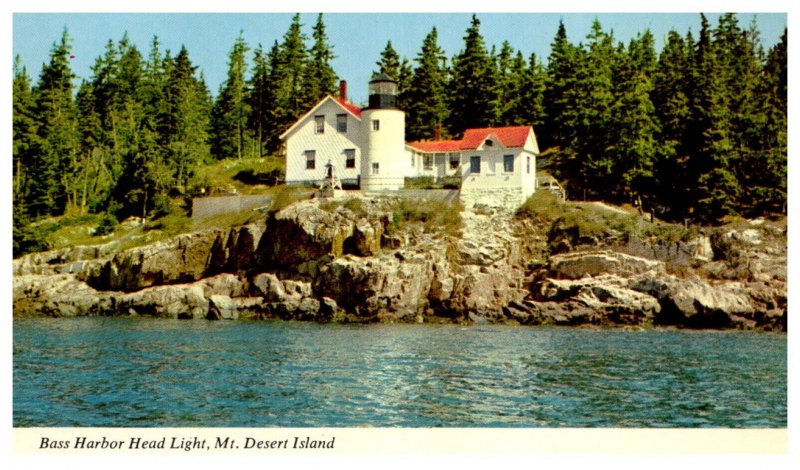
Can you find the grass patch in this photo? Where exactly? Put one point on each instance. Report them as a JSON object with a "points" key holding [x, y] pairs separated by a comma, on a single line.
{"points": [[435, 216], [428, 182], [245, 176], [354, 205], [569, 224], [542, 208], [284, 196]]}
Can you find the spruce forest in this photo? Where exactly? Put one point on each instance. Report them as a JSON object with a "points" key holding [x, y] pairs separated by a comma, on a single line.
{"points": [[696, 131]]}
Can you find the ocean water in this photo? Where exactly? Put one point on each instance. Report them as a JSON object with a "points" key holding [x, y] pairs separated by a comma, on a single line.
{"points": [[142, 372]]}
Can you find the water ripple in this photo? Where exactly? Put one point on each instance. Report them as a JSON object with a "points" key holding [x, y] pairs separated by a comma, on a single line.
{"points": [[145, 372]]}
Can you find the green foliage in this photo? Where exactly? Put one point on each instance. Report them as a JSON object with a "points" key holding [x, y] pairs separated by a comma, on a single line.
{"points": [[229, 136], [108, 223], [287, 195], [542, 208], [428, 182], [698, 129], [425, 102], [473, 90], [354, 205], [162, 206], [435, 216]]}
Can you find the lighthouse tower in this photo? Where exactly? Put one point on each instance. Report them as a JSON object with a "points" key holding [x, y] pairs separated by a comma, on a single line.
{"points": [[384, 161]]}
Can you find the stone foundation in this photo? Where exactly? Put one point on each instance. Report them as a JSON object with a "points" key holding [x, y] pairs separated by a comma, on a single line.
{"points": [[507, 199]]}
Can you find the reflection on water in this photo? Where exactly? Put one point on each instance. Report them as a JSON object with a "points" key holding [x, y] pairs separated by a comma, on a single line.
{"points": [[145, 372]]}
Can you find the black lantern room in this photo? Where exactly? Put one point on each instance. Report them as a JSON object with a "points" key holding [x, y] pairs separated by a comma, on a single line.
{"points": [[382, 92]]}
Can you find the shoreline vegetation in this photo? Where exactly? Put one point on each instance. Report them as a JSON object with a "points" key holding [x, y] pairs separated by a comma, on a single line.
{"points": [[386, 259]]}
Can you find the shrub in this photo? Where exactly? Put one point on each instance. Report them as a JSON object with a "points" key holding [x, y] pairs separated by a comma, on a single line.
{"points": [[434, 215], [288, 195], [542, 207], [162, 206], [107, 225]]}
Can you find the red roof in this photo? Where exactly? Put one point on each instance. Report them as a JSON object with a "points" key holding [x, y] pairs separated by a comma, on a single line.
{"points": [[514, 136], [350, 107], [437, 145]]}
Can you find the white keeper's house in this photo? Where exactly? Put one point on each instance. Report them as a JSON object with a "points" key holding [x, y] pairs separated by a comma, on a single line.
{"points": [[496, 165]]}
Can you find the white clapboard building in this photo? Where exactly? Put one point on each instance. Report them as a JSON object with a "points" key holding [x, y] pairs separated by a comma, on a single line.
{"points": [[496, 165]]}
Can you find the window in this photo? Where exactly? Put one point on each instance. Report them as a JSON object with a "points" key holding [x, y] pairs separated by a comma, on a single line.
{"points": [[508, 163], [488, 143], [375, 168], [475, 165], [427, 162], [455, 161], [311, 159], [341, 122], [528, 164], [413, 159], [376, 124], [350, 158], [319, 124]]}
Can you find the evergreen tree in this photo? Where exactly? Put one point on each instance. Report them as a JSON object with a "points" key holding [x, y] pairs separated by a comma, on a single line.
{"points": [[188, 111], [320, 79], [560, 105], [260, 97], [473, 91], [670, 97], [55, 150], [714, 186], [634, 126], [230, 112], [595, 98], [276, 119], [24, 136], [399, 69], [526, 99], [289, 72], [504, 78], [767, 164], [426, 99]]}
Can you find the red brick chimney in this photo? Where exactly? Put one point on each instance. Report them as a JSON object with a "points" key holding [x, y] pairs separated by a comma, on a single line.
{"points": [[437, 133], [343, 90]]}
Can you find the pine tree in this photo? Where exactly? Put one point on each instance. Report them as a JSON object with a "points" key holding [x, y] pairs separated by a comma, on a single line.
{"points": [[472, 89], [399, 69], [426, 99], [24, 136], [713, 184], [55, 151], [670, 97], [321, 79], [504, 78], [260, 97], [231, 111], [289, 71], [526, 99], [275, 116], [188, 110], [634, 126], [766, 177], [560, 105]]}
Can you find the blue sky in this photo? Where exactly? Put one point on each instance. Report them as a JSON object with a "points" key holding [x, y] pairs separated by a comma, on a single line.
{"points": [[358, 38]]}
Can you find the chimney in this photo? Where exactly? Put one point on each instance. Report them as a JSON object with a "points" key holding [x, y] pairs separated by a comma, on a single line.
{"points": [[343, 90], [437, 134]]}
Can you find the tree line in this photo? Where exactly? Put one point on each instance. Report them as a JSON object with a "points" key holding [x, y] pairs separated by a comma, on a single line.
{"points": [[697, 130]]}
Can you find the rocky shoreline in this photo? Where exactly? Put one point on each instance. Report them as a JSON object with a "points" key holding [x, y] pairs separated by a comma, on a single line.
{"points": [[318, 261]]}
